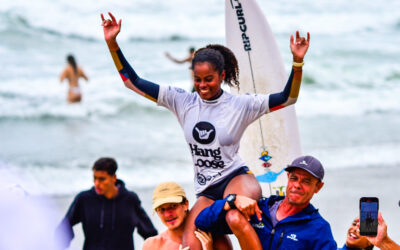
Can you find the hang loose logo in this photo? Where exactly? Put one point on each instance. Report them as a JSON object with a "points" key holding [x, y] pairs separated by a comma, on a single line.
{"points": [[204, 132]]}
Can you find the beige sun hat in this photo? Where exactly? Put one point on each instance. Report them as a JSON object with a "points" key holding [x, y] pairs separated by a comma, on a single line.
{"points": [[167, 192]]}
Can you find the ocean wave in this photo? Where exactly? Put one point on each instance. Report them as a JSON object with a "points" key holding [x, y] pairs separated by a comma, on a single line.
{"points": [[59, 110], [17, 24], [158, 21], [308, 79], [168, 38], [394, 76]]}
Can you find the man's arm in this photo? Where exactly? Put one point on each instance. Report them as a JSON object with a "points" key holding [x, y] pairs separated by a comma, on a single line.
{"points": [[212, 218], [145, 227], [64, 233]]}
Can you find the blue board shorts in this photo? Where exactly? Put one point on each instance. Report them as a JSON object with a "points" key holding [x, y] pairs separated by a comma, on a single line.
{"points": [[216, 191]]}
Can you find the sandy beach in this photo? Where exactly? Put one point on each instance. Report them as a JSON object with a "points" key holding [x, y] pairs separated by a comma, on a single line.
{"points": [[337, 201]]}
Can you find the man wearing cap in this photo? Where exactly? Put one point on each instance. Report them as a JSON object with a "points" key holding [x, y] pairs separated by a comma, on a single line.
{"points": [[109, 213], [281, 222], [172, 206]]}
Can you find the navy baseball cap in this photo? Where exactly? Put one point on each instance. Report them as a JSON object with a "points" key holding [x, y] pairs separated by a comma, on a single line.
{"points": [[309, 164]]}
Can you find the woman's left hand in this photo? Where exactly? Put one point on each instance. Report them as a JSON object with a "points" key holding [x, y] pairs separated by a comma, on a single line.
{"points": [[299, 47], [205, 239]]}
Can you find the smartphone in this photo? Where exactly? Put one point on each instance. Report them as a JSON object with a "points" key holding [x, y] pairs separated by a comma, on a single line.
{"points": [[369, 207]]}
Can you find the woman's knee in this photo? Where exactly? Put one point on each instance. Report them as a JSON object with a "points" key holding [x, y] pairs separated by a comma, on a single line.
{"points": [[235, 219], [246, 185]]}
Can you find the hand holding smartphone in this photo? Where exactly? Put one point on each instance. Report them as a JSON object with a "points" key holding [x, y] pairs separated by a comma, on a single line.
{"points": [[369, 207]]}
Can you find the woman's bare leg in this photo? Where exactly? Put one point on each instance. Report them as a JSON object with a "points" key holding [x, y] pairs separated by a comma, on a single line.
{"points": [[246, 185], [189, 238]]}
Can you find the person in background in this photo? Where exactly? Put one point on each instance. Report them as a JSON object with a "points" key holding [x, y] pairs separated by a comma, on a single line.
{"points": [[73, 72], [281, 222], [355, 241], [213, 120], [109, 213], [188, 59], [172, 207]]}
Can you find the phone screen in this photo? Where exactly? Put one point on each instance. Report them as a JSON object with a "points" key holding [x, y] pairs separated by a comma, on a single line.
{"points": [[368, 216]]}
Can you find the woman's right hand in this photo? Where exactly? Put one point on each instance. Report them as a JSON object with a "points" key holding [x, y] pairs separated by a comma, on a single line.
{"points": [[111, 28]]}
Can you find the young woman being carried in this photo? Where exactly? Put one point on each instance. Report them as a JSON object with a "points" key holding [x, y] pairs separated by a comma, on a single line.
{"points": [[213, 122]]}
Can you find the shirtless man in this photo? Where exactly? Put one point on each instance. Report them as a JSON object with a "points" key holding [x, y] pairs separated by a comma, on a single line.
{"points": [[73, 72], [171, 205]]}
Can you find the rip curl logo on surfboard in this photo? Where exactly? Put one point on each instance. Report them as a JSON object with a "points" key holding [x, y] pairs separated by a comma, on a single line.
{"points": [[237, 7]]}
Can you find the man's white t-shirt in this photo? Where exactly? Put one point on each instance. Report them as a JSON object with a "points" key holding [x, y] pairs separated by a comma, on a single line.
{"points": [[213, 129]]}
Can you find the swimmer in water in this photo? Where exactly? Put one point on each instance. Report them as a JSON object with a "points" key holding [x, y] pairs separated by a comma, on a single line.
{"points": [[188, 59], [73, 72]]}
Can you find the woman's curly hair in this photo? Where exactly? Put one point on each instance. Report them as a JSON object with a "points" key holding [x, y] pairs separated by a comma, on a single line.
{"points": [[221, 58]]}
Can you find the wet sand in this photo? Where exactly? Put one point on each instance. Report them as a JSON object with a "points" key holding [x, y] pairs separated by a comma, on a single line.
{"points": [[337, 201]]}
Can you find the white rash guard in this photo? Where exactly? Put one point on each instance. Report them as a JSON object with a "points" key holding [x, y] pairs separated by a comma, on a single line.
{"points": [[213, 129]]}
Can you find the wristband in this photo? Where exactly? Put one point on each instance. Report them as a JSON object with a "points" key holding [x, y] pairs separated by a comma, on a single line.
{"points": [[296, 64]]}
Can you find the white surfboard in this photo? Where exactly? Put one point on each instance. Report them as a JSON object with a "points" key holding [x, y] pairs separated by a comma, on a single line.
{"points": [[273, 141]]}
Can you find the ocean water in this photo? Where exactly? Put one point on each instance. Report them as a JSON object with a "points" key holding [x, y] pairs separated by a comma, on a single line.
{"points": [[348, 110]]}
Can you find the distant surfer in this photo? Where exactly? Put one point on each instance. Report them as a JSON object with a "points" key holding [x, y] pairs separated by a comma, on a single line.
{"points": [[213, 121], [187, 59], [73, 72]]}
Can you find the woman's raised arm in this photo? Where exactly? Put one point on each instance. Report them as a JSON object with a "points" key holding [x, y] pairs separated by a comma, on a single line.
{"points": [[131, 80]]}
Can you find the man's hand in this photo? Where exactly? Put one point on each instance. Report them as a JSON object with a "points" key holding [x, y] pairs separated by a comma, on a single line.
{"points": [[382, 232], [381, 240], [246, 206]]}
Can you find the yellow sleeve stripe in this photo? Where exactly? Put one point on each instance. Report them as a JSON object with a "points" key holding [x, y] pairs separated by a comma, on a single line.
{"points": [[116, 60], [150, 98]]}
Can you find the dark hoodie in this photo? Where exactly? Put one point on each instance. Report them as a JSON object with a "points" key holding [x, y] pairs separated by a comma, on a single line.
{"points": [[108, 224]]}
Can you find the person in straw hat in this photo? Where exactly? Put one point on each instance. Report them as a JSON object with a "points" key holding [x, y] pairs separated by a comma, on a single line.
{"points": [[172, 207]]}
